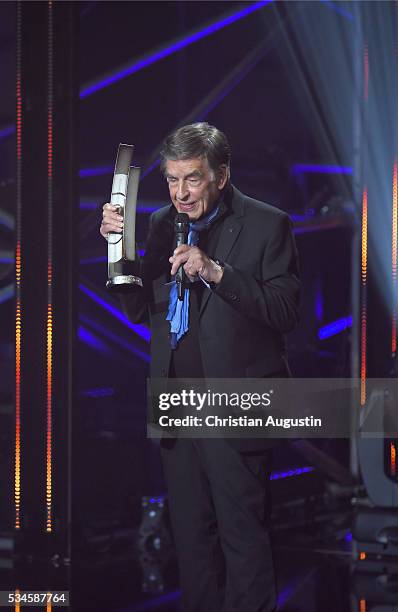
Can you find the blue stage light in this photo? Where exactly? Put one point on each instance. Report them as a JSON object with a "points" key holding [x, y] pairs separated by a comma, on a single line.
{"points": [[92, 340], [99, 392], [335, 327], [291, 472], [114, 339], [6, 131], [140, 330], [298, 169], [153, 603], [170, 49], [338, 9], [99, 171]]}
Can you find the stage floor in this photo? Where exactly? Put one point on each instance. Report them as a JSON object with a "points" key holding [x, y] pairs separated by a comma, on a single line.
{"points": [[319, 568]]}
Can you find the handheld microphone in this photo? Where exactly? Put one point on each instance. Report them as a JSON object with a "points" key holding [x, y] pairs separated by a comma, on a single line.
{"points": [[181, 231]]}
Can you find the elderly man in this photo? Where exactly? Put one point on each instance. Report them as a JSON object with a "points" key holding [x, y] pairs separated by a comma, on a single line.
{"points": [[243, 296]]}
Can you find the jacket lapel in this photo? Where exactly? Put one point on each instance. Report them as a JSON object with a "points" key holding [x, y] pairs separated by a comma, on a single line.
{"points": [[229, 233]]}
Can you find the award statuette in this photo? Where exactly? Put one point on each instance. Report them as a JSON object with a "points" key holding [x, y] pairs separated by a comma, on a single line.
{"points": [[122, 258]]}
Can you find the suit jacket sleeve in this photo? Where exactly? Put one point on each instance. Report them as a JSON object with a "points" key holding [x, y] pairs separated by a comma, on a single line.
{"points": [[136, 304], [272, 298]]}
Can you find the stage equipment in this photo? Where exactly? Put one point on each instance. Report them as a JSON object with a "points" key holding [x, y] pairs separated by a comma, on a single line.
{"points": [[375, 528], [375, 592], [154, 543], [122, 259]]}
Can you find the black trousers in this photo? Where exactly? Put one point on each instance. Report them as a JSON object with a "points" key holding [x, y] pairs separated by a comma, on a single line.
{"points": [[219, 506]]}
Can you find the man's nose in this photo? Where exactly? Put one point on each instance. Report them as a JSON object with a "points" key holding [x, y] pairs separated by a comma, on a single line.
{"points": [[182, 191]]}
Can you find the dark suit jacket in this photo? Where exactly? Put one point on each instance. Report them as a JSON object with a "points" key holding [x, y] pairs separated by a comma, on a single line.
{"points": [[242, 321]]}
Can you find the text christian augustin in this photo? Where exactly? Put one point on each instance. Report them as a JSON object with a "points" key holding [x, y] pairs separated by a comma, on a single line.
{"points": [[210, 401]]}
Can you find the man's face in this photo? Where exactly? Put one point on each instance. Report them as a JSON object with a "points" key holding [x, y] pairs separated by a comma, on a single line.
{"points": [[194, 189]]}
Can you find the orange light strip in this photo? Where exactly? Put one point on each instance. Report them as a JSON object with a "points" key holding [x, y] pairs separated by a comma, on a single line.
{"points": [[18, 275], [393, 459], [49, 419], [49, 325], [17, 476], [394, 258], [364, 273], [362, 605], [17, 605]]}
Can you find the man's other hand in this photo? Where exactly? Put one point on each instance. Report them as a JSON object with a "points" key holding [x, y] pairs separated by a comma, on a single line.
{"points": [[195, 263], [111, 220]]}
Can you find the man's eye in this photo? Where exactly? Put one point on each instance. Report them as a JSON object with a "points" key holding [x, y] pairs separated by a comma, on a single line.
{"points": [[193, 181], [170, 179]]}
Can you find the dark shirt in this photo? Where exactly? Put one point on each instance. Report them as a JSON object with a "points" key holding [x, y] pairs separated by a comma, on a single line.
{"points": [[186, 359]]}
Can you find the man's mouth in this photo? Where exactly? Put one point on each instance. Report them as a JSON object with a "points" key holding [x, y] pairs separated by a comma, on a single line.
{"points": [[186, 207]]}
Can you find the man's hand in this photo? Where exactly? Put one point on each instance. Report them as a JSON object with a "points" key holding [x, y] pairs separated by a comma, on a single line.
{"points": [[111, 220], [195, 262]]}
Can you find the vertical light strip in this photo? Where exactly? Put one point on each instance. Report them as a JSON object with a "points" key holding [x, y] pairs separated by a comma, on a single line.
{"points": [[364, 240], [394, 259], [49, 274], [17, 605], [362, 605], [18, 273], [393, 459], [366, 72], [395, 206], [364, 273]]}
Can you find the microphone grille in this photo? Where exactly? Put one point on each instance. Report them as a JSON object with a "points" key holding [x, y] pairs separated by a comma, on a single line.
{"points": [[181, 222], [182, 218]]}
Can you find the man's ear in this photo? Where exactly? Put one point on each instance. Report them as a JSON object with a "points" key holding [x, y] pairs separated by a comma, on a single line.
{"points": [[222, 176]]}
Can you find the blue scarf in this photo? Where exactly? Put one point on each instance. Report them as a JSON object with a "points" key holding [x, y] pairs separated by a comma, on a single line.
{"points": [[178, 313]]}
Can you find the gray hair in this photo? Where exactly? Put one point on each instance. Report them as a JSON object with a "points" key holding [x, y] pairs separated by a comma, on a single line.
{"points": [[197, 140]]}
